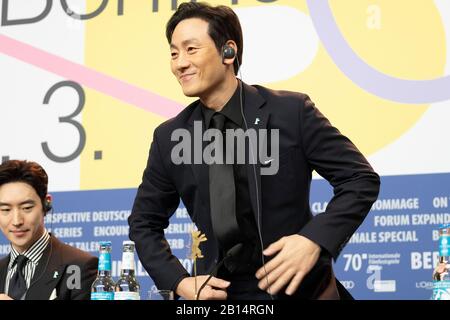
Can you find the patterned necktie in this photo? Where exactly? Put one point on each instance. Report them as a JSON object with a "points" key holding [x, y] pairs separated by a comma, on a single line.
{"points": [[17, 284]]}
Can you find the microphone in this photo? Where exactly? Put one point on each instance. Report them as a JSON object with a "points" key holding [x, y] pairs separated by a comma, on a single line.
{"points": [[230, 253]]}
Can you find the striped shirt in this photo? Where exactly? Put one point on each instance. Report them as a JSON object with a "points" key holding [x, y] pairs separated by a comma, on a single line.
{"points": [[34, 254]]}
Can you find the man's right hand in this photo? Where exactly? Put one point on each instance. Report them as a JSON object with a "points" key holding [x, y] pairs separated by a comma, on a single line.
{"points": [[5, 297], [214, 290]]}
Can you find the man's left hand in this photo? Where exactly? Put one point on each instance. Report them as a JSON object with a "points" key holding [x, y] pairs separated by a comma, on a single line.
{"points": [[296, 255]]}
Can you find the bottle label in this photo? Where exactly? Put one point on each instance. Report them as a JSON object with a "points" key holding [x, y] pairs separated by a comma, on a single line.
{"points": [[104, 261], [441, 290], [444, 245], [102, 295], [124, 295], [127, 261]]}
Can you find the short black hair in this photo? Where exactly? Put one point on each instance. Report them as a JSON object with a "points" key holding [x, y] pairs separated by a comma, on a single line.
{"points": [[27, 172], [223, 23]]}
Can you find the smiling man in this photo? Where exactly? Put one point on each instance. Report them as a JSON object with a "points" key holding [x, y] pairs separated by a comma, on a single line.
{"points": [[39, 266], [262, 240]]}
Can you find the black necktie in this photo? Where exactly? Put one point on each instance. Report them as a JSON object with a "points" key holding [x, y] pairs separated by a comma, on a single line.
{"points": [[222, 196], [17, 284]]}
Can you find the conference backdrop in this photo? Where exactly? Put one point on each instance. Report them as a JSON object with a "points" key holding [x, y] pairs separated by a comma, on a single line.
{"points": [[83, 85]]}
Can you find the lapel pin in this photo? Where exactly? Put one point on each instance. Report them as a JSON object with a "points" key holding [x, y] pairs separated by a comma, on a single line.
{"points": [[256, 120], [55, 275]]}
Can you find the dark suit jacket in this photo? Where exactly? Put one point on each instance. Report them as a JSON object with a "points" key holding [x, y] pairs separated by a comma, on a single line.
{"points": [[54, 272], [307, 142]]}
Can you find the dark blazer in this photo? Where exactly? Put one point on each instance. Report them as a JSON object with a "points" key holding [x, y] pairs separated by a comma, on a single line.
{"points": [[307, 142], [54, 277]]}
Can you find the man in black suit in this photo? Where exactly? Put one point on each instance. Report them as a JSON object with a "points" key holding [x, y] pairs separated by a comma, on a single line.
{"points": [[39, 266], [269, 242]]}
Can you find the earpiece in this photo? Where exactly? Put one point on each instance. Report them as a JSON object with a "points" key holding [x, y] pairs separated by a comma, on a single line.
{"points": [[48, 204], [228, 52], [258, 209]]}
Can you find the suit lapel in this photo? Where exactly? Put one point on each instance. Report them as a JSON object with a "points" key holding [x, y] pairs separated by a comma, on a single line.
{"points": [[3, 272], [257, 119], [196, 127], [48, 272]]}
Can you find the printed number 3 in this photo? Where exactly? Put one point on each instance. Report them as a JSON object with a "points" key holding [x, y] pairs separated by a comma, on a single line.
{"points": [[67, 119]]}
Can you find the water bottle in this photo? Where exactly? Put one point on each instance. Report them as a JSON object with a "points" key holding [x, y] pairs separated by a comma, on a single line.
{"points": [[103, 286], [441, 276], [127, 288]]}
